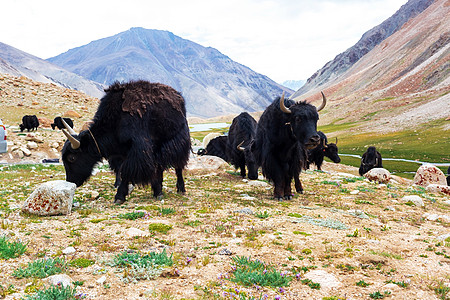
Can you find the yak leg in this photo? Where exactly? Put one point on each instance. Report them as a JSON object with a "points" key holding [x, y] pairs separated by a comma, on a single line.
{"points": [[122, 192], [242, 167], [180, 181], [156, 183], [287, 188], [298, 184]]}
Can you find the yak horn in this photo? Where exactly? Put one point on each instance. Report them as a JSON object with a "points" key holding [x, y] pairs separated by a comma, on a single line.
{"points": [[239, 147], [324, 144], [73, 141], [324, 102], [283, 107], [336, 141], [69, 129]]}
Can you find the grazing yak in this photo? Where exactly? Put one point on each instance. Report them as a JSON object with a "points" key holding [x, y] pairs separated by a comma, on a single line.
{"points": [[216, 147], [57, 123], [141, 129], [29, 122], [240, 141], [370, 159], [316, 155], [285, 131]]}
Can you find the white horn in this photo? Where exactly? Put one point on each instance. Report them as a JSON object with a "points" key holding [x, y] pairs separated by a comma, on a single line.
{"points": [[283, 107], [324, 102], [70, 129], [73, 141]]}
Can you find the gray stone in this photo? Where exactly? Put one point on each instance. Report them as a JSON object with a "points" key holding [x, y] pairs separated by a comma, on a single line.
{"points": [[428, 174], [326, 280], [417, 200], [51, 198], [69, 250], [62, 279], [380, 175]]}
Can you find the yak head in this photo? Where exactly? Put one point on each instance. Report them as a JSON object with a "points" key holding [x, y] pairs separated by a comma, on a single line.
{"points": [[250, 160], [371, 159], [303, 119], [331, 151], [79, 155]]}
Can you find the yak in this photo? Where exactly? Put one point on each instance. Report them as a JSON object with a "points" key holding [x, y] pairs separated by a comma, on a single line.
{"points": [[448, 177], [285, 131], [141, 129], [316, 155], [369, 160], [216, 147], [57, 123], [29, 122], [240, 141]]}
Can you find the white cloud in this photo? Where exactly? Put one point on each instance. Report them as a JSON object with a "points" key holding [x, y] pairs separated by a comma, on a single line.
{"points": [[283, 39]]}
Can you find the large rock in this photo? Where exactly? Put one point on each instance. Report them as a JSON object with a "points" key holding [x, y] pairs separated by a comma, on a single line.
{"points": [[326, 280], [380, 175], [428, 174], [437, 188], [207, 162], [51, 198]]}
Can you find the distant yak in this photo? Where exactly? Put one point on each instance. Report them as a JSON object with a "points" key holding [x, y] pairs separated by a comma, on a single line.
{"points": [[316, 155], [57, 123], [370, 159], [141, 129], [216, 147], [29, 122]]}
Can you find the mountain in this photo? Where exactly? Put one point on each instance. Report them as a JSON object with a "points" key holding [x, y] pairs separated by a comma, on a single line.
{"points": [[211, 82], [18, 63], [342, 62], [402, 83], [294, 84]]}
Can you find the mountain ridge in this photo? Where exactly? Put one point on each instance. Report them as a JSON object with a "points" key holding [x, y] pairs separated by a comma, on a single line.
{"points": [[210, 81]]}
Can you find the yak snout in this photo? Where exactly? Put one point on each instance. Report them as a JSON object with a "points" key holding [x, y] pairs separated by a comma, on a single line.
{"points": [[313, 141]]}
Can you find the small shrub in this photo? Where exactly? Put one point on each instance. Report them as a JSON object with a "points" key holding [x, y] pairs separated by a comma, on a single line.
{"points": [[56, 292], [362, 283], [132, 215], [11, 249], [262, 215], [378, 295], [255, 272], [41, 268], [81, 262], [159, 227], [167, 210]]}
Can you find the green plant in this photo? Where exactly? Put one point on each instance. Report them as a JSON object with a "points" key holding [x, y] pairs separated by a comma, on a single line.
{"points": [[159, 227], [41, 268], [132, 215], [167, 210], [378, 295], [441, 290], [362, 283], [255, 272], [262, 215], [81, 262], [11, 249], [311, 284], [56, 292]]}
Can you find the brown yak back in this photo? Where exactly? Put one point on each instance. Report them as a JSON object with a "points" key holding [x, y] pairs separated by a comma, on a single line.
{"points": [[138, 95]]}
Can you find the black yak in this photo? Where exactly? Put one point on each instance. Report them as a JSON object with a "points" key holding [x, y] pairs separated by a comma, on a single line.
{"points": [[216, 147], [369, 160], [316, 155], [284, 133], [141, 129], [29, 122], [240, 141], [57, 123]]}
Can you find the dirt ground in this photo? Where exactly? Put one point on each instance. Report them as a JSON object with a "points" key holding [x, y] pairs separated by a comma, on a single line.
{"points": [[343, 229]]}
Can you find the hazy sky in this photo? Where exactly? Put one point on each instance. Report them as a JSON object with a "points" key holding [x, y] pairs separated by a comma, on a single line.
{"points": [[283, 39]]}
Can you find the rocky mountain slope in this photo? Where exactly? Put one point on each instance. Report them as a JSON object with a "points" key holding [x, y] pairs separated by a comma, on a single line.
{"points": [[401, 83], [18, 63], [342, 62], [211, 82]]}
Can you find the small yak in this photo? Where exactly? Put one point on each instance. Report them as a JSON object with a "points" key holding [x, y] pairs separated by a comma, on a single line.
{"points": [[316, 155], [369, 160]]}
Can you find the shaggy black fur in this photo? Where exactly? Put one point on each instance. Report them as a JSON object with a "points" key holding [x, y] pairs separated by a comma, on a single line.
{"points": [[29, 122], [316, 155], [281, 140], [216, 147], [370, 159], [141, 137], [57, 123], [242, 132]]}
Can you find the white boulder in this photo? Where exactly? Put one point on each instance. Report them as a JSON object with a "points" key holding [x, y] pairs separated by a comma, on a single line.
{"points": [[51, 198], [428, 174], [379, 175]]}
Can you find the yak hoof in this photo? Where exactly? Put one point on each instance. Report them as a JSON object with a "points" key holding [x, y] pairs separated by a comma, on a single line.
{"points": [[159, 197], [288, 197], [118, 201], [278, 198]]}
